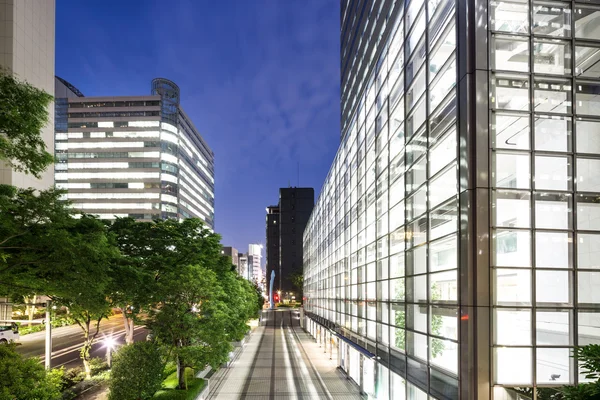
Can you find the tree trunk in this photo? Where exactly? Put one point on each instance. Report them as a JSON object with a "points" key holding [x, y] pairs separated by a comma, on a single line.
{"points": [[30, 308], [130, 333], [180, 374]]}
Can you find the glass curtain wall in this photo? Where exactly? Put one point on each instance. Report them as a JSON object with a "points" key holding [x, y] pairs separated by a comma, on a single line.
{"points": [[545, 130], [381, 244]]}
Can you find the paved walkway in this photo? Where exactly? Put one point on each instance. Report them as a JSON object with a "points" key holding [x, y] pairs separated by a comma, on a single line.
{"points": [[281, 361]]}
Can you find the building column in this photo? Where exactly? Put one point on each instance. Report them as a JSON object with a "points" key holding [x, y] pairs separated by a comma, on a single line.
{"points": [[474, 204]]}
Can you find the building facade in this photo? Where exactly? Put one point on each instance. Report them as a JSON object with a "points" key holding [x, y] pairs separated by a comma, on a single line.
{"points": [[255, 271], [272, 240], [452, 251], [137, 156], [234, 254], [27, 50]]}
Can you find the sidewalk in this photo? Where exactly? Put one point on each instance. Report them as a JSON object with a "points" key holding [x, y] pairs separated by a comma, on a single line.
{"points": [[281, 361]]}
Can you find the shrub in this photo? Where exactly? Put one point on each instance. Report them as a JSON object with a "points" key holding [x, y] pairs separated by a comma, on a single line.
{"points": [[98, 365], [136, 372], [169, 391], [25, 378]]}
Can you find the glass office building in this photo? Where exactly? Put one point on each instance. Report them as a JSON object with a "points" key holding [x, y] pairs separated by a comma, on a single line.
{"points": [[453, 251], [138, 156]]}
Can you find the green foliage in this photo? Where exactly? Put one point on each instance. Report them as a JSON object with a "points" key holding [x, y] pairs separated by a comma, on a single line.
{"points": [[23, 114], [25, 378], [170, 391], [589, 358], [137, 372]]}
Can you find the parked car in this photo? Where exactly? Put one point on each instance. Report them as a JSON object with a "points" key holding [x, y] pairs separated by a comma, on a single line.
{"points": [[8, 333]]}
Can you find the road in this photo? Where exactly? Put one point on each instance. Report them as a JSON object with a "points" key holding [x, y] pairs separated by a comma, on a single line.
{"points": [[67, 342], [281, 361]]}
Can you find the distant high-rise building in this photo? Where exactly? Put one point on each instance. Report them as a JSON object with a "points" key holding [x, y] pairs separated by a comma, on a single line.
{"points": [[454, 244], [27, 51], [254, 263], [243, 266], [233, 253], [134, 156], [272, 247], [285, 226]]}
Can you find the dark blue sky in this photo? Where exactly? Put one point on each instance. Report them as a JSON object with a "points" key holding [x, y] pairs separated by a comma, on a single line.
{"points": [[259, 78]]}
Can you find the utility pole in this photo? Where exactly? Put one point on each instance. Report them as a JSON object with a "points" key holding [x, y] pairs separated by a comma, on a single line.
{"points": [[48, 334]]}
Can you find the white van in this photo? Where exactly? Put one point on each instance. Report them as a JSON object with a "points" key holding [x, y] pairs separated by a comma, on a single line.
{"points": [[8, 333]]}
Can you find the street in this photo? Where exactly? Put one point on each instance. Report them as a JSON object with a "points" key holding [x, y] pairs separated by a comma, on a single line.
{"points": [[67, 342]]}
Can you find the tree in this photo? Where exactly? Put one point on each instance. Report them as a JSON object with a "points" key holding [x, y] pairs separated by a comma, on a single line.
{"points": [[136, 372], [25, 378], [23, 114], [190, 321], [45, 250], [149, 251]]}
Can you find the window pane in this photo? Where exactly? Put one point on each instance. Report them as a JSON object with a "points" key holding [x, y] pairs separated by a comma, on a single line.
{"points": [[442, 254], [416, 263], [553, 366], [417, 203], [512, 209], [510, 53], [553, 328], [443, 187], [510, 131], [588, 251], [513, 287], [552, 19], [553, 250], [587, 60], [552, 173], [552, 287], [512, 327], [510, 16], [413, 65], [443, 286], [444, 354], [511, 170], [587, 288], [552, 133], [510, 92], [552, 211], [440, 89], [588, 136], [508, 372], [415, 92], [442, 153], [416, 317], [443, 220], [444, 321], [552, 95], [512, 248], [587, 96], [589, 327], [416, 175], [442, 52], [587, 21], [588, 178], [588, 212], [552, 57]]}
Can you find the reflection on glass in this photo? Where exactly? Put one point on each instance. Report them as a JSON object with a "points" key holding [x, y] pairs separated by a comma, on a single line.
{"points": [[551, 19], [512, 287], [587, 21], [443, 220], [588, 178], [507, 372], [588, 327], [552, 95], [587, 97], [588, 136], [512, 248], [510, 53], [510, 92], [553, 133], [512, 327], [552, 211], [443, 254], [587, 59], [510, 16], [553, 250], [553, 365], [588, 251], [512, 209], [511, 170], [587, 287], [552, 173], [553, 327], [510, 131], [552, 57], [588, 212], [552, 286]]}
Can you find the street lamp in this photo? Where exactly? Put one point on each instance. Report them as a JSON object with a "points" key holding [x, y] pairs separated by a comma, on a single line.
{"points": [[109, 343]]}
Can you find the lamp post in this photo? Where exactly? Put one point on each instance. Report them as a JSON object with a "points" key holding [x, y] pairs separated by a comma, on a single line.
{"points": [[109, 343], [48, 352]]}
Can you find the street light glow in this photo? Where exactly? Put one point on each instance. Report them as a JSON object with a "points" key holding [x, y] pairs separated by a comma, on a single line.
{"points": [[109, 342]]}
